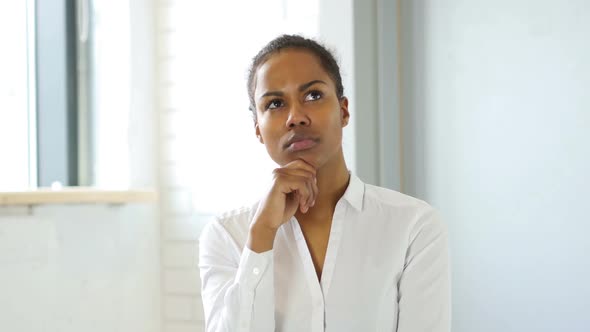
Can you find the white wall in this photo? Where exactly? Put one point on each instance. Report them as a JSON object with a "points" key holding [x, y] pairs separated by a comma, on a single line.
{"points": [[79, 268], [497, 136], [181, 302]]}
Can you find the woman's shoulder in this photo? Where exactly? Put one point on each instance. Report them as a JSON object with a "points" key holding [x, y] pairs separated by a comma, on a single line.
{"points": [[234, 223], [407, 211], [237, 216], [392, 198]]}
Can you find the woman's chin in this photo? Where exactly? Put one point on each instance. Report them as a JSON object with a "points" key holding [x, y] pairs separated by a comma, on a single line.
{"points": [[307, 157]]}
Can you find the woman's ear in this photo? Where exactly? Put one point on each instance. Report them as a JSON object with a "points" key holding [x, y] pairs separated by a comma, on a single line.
{"points": [[258, 133], [344, 114]]}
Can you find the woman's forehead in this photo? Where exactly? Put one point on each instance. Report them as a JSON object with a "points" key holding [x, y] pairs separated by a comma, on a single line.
{"points": [[289, 66]]}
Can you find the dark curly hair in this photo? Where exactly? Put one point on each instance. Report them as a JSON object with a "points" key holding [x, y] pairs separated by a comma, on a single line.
{"points": [[327, 61]]}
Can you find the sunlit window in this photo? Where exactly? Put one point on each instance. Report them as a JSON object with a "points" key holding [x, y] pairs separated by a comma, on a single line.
{"points": [[14, 91], [100, 29]]}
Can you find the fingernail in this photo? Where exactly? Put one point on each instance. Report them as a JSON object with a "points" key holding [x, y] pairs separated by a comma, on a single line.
{"points": [[313, 203]]}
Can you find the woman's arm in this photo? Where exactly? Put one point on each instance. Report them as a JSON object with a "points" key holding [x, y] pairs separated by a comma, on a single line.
{"points": [[424, 288], [237, 295]]}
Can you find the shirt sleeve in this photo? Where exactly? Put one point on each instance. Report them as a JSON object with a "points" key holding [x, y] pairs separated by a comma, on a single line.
{"points": [[424, 287], [237, 291]]}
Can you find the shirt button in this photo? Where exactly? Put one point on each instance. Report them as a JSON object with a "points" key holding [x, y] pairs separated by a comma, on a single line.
{"points": [[256, 271]]}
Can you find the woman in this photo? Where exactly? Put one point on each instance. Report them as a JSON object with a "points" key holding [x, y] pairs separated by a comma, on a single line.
{"points": [[321, 251]]}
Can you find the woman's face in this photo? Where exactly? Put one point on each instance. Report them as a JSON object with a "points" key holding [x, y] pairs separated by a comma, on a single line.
{"points": [[299, 115]]}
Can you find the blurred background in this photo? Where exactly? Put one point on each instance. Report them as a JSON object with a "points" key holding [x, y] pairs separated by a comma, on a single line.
{"points": [[480, 108]]}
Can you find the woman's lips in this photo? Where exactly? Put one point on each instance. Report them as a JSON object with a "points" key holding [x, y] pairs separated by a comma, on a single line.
{"points": [[302, 145]]}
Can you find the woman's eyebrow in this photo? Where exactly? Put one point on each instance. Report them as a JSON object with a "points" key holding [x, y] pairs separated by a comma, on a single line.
{"points": [[272, 93], [308, 84], [301, 89]]}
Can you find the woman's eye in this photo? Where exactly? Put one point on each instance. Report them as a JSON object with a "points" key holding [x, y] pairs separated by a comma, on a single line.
{"points": [[313, 95], [275, 103]]}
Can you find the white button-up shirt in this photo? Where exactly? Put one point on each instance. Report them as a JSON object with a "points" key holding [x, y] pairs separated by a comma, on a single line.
{"points": [[386, 269]]}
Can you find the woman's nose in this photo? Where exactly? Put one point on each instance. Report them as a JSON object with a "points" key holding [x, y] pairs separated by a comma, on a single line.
{"points": [[297, 117]]}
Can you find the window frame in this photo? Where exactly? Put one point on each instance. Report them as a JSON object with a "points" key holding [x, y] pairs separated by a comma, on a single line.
{"points": [[56, 93]]}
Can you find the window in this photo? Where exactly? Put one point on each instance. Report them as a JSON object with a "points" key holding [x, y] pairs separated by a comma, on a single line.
{"points": [[15, 67], [64, 93]]}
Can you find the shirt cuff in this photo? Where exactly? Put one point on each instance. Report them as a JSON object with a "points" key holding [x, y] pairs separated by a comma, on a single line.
{"points": [[253, 266]]}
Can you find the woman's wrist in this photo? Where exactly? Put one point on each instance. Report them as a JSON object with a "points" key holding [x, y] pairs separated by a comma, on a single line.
{"points": [[261, 237]]}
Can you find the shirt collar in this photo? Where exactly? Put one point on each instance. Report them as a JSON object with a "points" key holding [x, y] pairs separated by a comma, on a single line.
{"points": [[355, 192]]}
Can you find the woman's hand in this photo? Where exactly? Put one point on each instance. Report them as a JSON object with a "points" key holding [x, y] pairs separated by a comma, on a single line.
{"points": [[294, 186]]}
